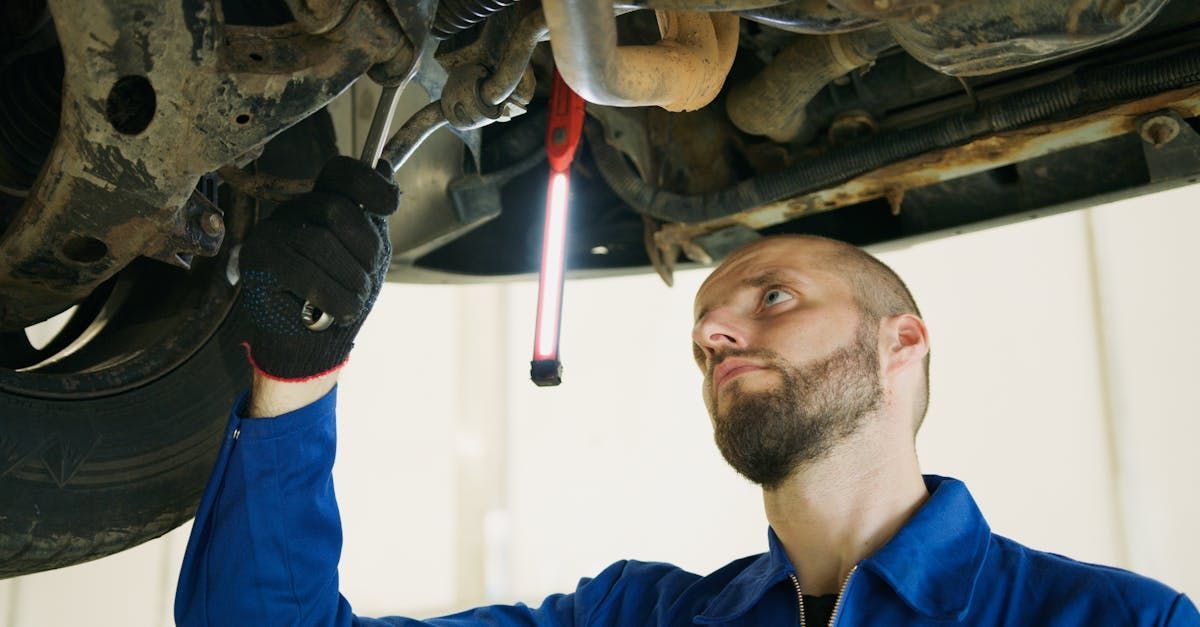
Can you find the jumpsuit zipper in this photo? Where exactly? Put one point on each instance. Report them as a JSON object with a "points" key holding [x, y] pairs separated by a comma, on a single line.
{"points": [[837, 604]]}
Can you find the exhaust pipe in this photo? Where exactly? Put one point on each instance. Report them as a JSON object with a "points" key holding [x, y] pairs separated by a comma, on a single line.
{"points": [[682, 72]]}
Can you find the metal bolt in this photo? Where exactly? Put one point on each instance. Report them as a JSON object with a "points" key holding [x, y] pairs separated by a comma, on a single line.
{"points": [[1159, 130], [213, 225]]}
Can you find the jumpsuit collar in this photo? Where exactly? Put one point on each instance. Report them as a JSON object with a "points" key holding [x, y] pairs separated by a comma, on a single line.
{"points": [[932, 562]]}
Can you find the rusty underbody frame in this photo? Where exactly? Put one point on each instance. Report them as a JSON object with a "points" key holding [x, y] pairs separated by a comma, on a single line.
{"points": [[1158, 121], [155, 97]]}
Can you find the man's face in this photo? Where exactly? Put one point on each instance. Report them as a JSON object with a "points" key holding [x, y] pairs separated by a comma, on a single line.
{"points": [[790, 366]]}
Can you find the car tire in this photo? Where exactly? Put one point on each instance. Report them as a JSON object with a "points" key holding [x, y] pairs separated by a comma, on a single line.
{"points": [[83, 479], [87, 473]]}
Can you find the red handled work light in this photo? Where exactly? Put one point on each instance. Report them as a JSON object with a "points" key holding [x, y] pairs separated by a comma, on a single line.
{"points": [[562, 138]]}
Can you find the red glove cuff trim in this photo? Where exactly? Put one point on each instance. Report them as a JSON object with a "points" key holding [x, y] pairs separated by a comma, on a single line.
{"points": [[265, 374]]}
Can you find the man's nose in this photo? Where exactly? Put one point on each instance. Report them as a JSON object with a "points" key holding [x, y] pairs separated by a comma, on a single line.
{"points": [[717, 330]]}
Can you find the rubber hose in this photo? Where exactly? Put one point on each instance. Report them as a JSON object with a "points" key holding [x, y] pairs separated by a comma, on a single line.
{"points": [[1091, 86]]}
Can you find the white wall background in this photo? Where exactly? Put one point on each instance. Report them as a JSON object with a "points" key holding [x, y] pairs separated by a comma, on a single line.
{"points": [[1064, 368]]}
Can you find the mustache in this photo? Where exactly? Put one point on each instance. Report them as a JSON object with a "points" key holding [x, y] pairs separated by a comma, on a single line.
{"points": [[770, 358]]}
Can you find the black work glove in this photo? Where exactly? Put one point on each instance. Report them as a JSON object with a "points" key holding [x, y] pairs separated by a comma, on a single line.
{"points": [[328, 247]]}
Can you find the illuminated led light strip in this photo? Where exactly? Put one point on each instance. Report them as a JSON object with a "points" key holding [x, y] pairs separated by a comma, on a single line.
{"points": [[550, 279]]}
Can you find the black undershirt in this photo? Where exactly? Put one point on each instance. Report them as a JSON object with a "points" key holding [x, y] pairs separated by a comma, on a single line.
{"points": [[817, 610]]}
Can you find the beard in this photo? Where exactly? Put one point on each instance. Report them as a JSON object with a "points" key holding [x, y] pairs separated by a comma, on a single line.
{"points": [[766, 435]]}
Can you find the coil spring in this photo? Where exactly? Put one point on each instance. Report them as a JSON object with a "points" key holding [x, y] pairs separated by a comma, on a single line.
{"points": [[455, 16], [30, 98]]}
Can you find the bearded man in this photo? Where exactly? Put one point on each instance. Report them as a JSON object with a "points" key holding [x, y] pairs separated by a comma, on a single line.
{"points": [[815, 363]]}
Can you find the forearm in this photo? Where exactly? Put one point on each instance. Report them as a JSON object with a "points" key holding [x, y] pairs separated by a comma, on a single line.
{"points": [[272, 397], [265, 544]]}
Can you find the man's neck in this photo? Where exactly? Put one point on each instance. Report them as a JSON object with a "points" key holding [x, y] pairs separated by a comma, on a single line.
{"points": [[836, 511]]}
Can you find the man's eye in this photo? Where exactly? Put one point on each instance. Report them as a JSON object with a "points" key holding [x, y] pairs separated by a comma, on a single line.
{"points": [[775, 296]]}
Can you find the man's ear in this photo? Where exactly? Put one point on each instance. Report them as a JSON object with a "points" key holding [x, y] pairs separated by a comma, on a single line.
{"points": [[906, 341]]}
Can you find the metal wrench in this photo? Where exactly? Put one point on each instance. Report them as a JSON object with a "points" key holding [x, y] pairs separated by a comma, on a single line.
{"points": [[313, 318]]}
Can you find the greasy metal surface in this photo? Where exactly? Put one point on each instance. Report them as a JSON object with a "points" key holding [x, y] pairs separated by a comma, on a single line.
{"points": [[264, 186], [461, 103], [514, 60], [218, 90], [896, 9], [977, 38], [682, 72], [168, 314], [464, 107], [414, 17], [504, 46], [814, 17], [494, 37], [694, 151], [718, 244], [774, 103], [628, 130], [319, 16], [476, 200], [695, 5], [976, 156]]}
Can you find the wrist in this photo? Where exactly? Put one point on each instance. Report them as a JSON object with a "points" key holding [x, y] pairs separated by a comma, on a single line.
{"points": [[271, 397], [300, 357]]}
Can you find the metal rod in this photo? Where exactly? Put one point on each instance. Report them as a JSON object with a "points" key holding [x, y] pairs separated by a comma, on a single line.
{"points": [[412, 133]]}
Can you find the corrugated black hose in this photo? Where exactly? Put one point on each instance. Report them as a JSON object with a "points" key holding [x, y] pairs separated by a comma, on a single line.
{"points": [[1091, 86]]}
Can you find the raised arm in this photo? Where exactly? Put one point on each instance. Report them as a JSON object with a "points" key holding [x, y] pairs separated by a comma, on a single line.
{"points": [[265, 545], [266, 540]]}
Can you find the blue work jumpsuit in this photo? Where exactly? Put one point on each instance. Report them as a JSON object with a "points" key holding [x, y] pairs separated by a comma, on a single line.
{"points": [[265, 545]]}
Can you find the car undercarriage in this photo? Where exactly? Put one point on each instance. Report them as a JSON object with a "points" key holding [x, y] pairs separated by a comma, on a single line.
{"points": [[140, 141]]}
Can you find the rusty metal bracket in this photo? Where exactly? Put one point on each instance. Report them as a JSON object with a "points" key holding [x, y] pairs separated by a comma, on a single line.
{"points": [[319, 16], [718, 244], [982, 154], [415, 18], [1171, 146], [155, 95]]}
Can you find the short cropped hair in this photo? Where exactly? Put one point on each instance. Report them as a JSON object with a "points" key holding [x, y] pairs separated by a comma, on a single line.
{"points": [[879, 292]]}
